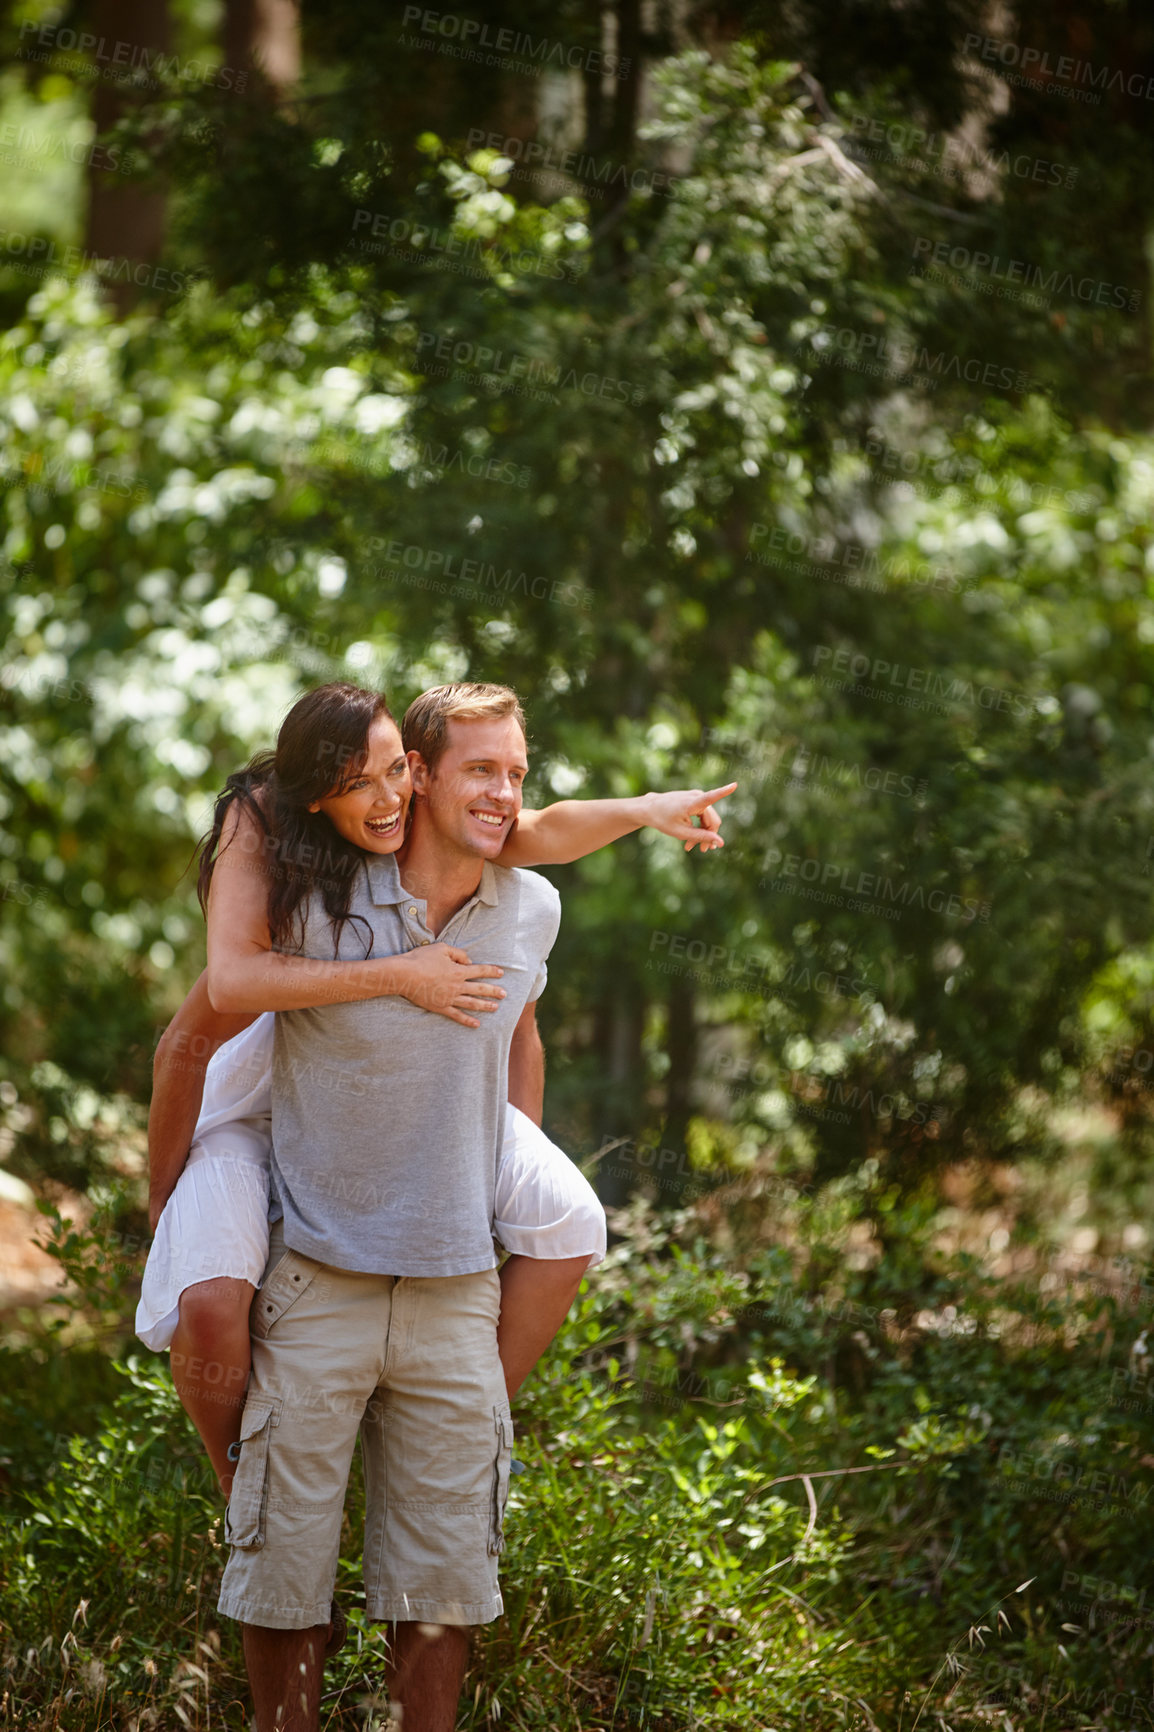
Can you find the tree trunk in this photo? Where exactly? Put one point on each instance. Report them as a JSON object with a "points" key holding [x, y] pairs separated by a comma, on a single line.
{"points": [[681, 1044], [620, 1026], [126, 221], [262, 38]]}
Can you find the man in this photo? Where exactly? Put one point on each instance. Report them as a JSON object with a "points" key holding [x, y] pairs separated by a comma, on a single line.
{"points": [[381, 1299]]}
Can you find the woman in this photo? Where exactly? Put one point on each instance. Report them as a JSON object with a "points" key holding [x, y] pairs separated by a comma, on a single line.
{"points": [[296, 825]]}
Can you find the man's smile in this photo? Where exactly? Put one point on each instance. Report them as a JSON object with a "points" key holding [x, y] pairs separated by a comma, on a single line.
{"points": [[493, 819]]}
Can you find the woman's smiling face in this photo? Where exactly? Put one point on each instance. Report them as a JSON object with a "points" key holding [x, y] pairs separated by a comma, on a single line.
{"points": [[370, 808]]}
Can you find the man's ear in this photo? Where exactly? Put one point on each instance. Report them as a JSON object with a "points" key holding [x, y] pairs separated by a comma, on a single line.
{"points": [[419, 772]]}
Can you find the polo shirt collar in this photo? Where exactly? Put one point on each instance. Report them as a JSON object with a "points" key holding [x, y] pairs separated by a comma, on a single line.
{"points": [[385, 885], [384, 878]]}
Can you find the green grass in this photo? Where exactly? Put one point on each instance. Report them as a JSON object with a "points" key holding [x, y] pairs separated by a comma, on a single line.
{"points": [[686, 1547]]}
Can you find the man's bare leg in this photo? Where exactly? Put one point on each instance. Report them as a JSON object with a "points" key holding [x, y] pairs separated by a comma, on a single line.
{"points": [[284, 1674], [211, 1353], [536, 1294], [425, 1671]]}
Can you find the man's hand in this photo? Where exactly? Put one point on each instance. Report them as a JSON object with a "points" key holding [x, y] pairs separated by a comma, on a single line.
{"points": [[673, 815], [441, 978]]}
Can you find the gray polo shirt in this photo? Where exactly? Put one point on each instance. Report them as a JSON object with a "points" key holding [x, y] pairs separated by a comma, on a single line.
{"points": [[386, 1119]]}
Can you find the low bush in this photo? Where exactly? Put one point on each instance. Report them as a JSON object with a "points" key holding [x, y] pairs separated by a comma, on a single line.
{"points": [[787, 1489]]}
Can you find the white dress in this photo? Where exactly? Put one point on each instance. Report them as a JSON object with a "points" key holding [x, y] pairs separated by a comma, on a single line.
{"points": [[216, 1221]]}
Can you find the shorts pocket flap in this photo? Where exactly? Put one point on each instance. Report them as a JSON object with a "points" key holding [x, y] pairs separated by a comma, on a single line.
{"points": [[244, 1517]]}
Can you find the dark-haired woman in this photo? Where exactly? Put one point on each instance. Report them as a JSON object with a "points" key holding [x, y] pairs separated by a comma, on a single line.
{"points": [[271, 848]]}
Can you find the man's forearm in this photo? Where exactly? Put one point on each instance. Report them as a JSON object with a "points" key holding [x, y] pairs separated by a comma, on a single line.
{"points": [[527, 1076], [570, 829]]}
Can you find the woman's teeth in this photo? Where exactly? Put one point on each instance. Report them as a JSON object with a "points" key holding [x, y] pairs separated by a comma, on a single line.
{"points": [[383, 826]]}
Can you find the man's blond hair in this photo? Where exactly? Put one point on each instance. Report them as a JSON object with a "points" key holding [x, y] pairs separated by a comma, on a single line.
{"points": [[425, 728]]}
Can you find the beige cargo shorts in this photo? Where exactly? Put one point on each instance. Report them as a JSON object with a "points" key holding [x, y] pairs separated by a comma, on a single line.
{"points": [[413, 1364]]}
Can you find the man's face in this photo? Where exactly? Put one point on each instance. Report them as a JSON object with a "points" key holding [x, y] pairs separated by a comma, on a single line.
{"points": [[473, 795], [370, 810]]}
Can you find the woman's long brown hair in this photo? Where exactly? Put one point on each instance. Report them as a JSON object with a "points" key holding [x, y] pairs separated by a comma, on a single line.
{"points": [[322, 747]]}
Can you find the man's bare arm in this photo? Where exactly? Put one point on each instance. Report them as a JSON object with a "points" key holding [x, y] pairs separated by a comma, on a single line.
{"points": [[187, 1044], [527, 1066]]}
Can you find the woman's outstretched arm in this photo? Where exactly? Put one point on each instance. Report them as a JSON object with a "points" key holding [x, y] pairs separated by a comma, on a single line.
{"points": [[246, 975], [569, 829]]}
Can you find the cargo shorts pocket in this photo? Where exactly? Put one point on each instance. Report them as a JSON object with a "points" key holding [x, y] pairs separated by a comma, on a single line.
{"points": [[244, 1518], [503, 1426]]}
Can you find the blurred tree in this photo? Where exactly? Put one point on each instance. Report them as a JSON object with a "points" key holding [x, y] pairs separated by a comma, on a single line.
{"points": [[702, 471]]}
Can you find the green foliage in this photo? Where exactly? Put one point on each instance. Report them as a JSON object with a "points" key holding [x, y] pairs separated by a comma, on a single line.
{"points": [[729, 483], [747, 1498]]}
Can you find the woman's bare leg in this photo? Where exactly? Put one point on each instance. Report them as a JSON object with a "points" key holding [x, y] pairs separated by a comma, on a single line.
{"points": [[536, 1293], [211, 1356]]}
